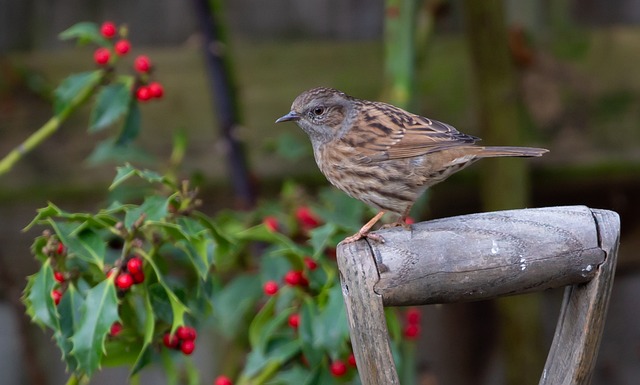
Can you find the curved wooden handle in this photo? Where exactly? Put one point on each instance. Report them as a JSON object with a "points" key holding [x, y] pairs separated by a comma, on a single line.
{"points": [[482, 256]]}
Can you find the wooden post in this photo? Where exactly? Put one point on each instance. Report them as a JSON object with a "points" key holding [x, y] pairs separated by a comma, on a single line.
{"points": [[484, 256]]}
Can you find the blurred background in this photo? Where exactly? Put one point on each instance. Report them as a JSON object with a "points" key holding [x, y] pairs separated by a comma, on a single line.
{"points": [[565, 72]]}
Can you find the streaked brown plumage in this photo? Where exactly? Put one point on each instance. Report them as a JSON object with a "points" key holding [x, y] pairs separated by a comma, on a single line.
{"points": [[383, 155]]}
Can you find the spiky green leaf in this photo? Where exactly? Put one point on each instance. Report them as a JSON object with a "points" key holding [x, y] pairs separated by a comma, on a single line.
{"points": [[111, 104], [98, 313]]}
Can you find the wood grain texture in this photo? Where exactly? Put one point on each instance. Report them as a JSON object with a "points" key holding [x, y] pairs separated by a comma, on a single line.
{"points": [[573, 352], [483, 256], [365, 312]]}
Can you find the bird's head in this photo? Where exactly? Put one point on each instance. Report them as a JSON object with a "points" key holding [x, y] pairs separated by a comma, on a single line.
{"points": [[322, 113]]}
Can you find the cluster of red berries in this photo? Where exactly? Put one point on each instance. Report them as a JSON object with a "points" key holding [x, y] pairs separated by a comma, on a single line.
{"points": [[102, 55], [306, 219], [412, 326], [339, 368], [145, 90], [184, 340], [56, 294], [292, 278], [131, 273]]}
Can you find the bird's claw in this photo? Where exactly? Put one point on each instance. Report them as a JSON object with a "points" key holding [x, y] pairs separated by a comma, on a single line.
{"points": [[359, 235]]}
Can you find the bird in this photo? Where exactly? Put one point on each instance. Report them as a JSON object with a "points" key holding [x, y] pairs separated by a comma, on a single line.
{"points": [[383, 155]]}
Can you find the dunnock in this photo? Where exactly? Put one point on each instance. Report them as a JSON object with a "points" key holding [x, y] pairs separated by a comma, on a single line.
{"points": [[383, 155]]}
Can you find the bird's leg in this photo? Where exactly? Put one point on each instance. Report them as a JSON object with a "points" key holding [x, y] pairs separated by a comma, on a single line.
{"points": [[402, 221], [364, 231]]}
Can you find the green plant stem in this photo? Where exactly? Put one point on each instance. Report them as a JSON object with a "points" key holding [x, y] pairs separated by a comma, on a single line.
{"points": [[50, 127]]}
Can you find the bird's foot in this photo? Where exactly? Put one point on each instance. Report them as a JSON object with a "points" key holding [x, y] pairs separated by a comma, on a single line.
{"points": [[361, 234], [364, 231]]}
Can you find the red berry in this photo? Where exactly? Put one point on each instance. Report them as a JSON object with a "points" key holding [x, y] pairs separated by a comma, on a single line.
{"points": [[307, 218], [338, 368], [412, 331], [124, 281], [223, 380], [186, 333], [56, 295], [138, 277], [187, 347], [409, 220], [294, 320], [60, 249], [271, 223], [58, 276], [352, 360], [413, 315], [108, 29], [270, 287], [134, 265], [292, 278], [156, 89], [311, 263], [170, 341], [101, 56], [142, 63], [295, 278], [143, 93], [122, 47], [116, 328]]}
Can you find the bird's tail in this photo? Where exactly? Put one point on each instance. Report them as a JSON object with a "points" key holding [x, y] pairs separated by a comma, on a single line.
{"points": [[495, 151]]}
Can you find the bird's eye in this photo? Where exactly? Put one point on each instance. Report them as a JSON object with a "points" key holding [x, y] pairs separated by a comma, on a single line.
{"points": [[318, 111]]}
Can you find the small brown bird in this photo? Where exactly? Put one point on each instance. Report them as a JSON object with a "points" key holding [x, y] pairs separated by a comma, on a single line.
{"points": [[382, 155]]}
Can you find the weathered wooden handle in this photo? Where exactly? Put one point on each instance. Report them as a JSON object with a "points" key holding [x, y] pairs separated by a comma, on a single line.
{"points": [[484, 256]]}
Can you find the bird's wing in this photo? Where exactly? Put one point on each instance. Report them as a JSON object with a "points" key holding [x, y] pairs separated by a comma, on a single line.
{"points": [[389, 132]]}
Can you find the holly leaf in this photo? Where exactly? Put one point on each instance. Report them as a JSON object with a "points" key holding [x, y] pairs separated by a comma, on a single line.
{"points": [[98, 313], [127, 171], [224, 248], [198, 245], [46, 212], [82, 241], [308, 337], [149, 328], [154, 208], [111, 103], [320, 237], [280, 351], [233, 303], [40, 306], [85, 32], [72, 86], [178, 309], [69, 309], [131, 127], [265, 325], [332, 322], [323, 329], [295, 375]]}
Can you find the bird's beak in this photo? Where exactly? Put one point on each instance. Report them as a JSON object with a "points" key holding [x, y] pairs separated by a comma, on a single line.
{"points": [[291, 116]]}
